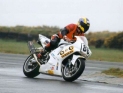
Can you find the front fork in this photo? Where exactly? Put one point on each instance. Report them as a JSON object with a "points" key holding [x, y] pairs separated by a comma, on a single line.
{"points": [[35, 57], [33, 51]]}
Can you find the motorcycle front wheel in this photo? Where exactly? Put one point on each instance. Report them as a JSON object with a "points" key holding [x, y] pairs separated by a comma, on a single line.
{"points": [[72, 72], [30, 69]]}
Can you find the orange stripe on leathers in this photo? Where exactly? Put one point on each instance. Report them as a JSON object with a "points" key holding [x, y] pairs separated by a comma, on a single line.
{"points": [[48, 45], [52, 37]]}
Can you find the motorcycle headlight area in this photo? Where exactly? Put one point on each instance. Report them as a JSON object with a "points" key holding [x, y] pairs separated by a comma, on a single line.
{"points": [[85, 51]]}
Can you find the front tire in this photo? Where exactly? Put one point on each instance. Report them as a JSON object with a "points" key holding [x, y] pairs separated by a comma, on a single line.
{"points": [[30, 72], [72, 73]]}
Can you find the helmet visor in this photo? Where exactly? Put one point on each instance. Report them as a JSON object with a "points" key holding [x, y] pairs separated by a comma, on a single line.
{"points": [[81, 28]]}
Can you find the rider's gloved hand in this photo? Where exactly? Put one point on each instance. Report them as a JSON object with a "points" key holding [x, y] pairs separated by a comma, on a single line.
{"points": [[66, 39]]}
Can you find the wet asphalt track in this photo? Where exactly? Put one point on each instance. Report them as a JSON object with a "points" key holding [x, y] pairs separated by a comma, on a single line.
{"points": [[12, 79]]}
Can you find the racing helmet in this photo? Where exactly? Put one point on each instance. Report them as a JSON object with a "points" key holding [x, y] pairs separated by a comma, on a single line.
{"points": [[83, 24]]}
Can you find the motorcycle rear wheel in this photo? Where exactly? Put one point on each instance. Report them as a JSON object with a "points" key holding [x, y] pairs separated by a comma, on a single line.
{"points": [[72, 73], [30, 72]]}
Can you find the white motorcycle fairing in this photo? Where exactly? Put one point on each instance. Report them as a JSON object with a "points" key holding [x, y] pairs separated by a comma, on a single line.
{"points": [[54, 64]]}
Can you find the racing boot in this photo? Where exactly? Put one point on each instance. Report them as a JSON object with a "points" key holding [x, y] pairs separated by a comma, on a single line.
{"points": [[42, 54]]}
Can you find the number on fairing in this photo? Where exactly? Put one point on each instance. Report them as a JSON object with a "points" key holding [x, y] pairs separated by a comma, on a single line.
{"points": [[85, 49]]}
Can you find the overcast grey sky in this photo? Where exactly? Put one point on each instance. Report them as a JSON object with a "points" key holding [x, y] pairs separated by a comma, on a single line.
{"points": [[103, 14]]}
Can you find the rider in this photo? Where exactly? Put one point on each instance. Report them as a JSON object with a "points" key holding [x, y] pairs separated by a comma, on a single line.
{"points": [[67, 33]]}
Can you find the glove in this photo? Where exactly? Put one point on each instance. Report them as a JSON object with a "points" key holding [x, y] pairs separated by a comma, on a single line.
{"points": [[66, 39]]}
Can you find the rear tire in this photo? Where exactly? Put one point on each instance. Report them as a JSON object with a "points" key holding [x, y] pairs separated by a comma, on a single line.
{"points": [[80, 66], [31, 73]]}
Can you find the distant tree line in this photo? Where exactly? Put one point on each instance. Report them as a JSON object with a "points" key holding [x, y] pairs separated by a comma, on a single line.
{"points": [[18, 36], [98, 39], [106, 39], [24, 33]]}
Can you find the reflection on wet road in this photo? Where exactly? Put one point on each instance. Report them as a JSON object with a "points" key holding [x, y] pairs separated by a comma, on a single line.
{"points": [[12, 79]]}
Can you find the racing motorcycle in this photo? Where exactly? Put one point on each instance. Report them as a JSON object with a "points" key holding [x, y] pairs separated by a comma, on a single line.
{"points": [[67, 60]]}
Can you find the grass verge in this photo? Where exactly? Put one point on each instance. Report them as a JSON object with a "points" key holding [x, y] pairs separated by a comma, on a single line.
{"points": [[99, 54], [13, 46], [114, 71], [104, 54]]}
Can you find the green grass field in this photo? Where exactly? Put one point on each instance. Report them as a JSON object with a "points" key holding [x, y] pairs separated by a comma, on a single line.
{"points": [[101, 54], [11, 46]]}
